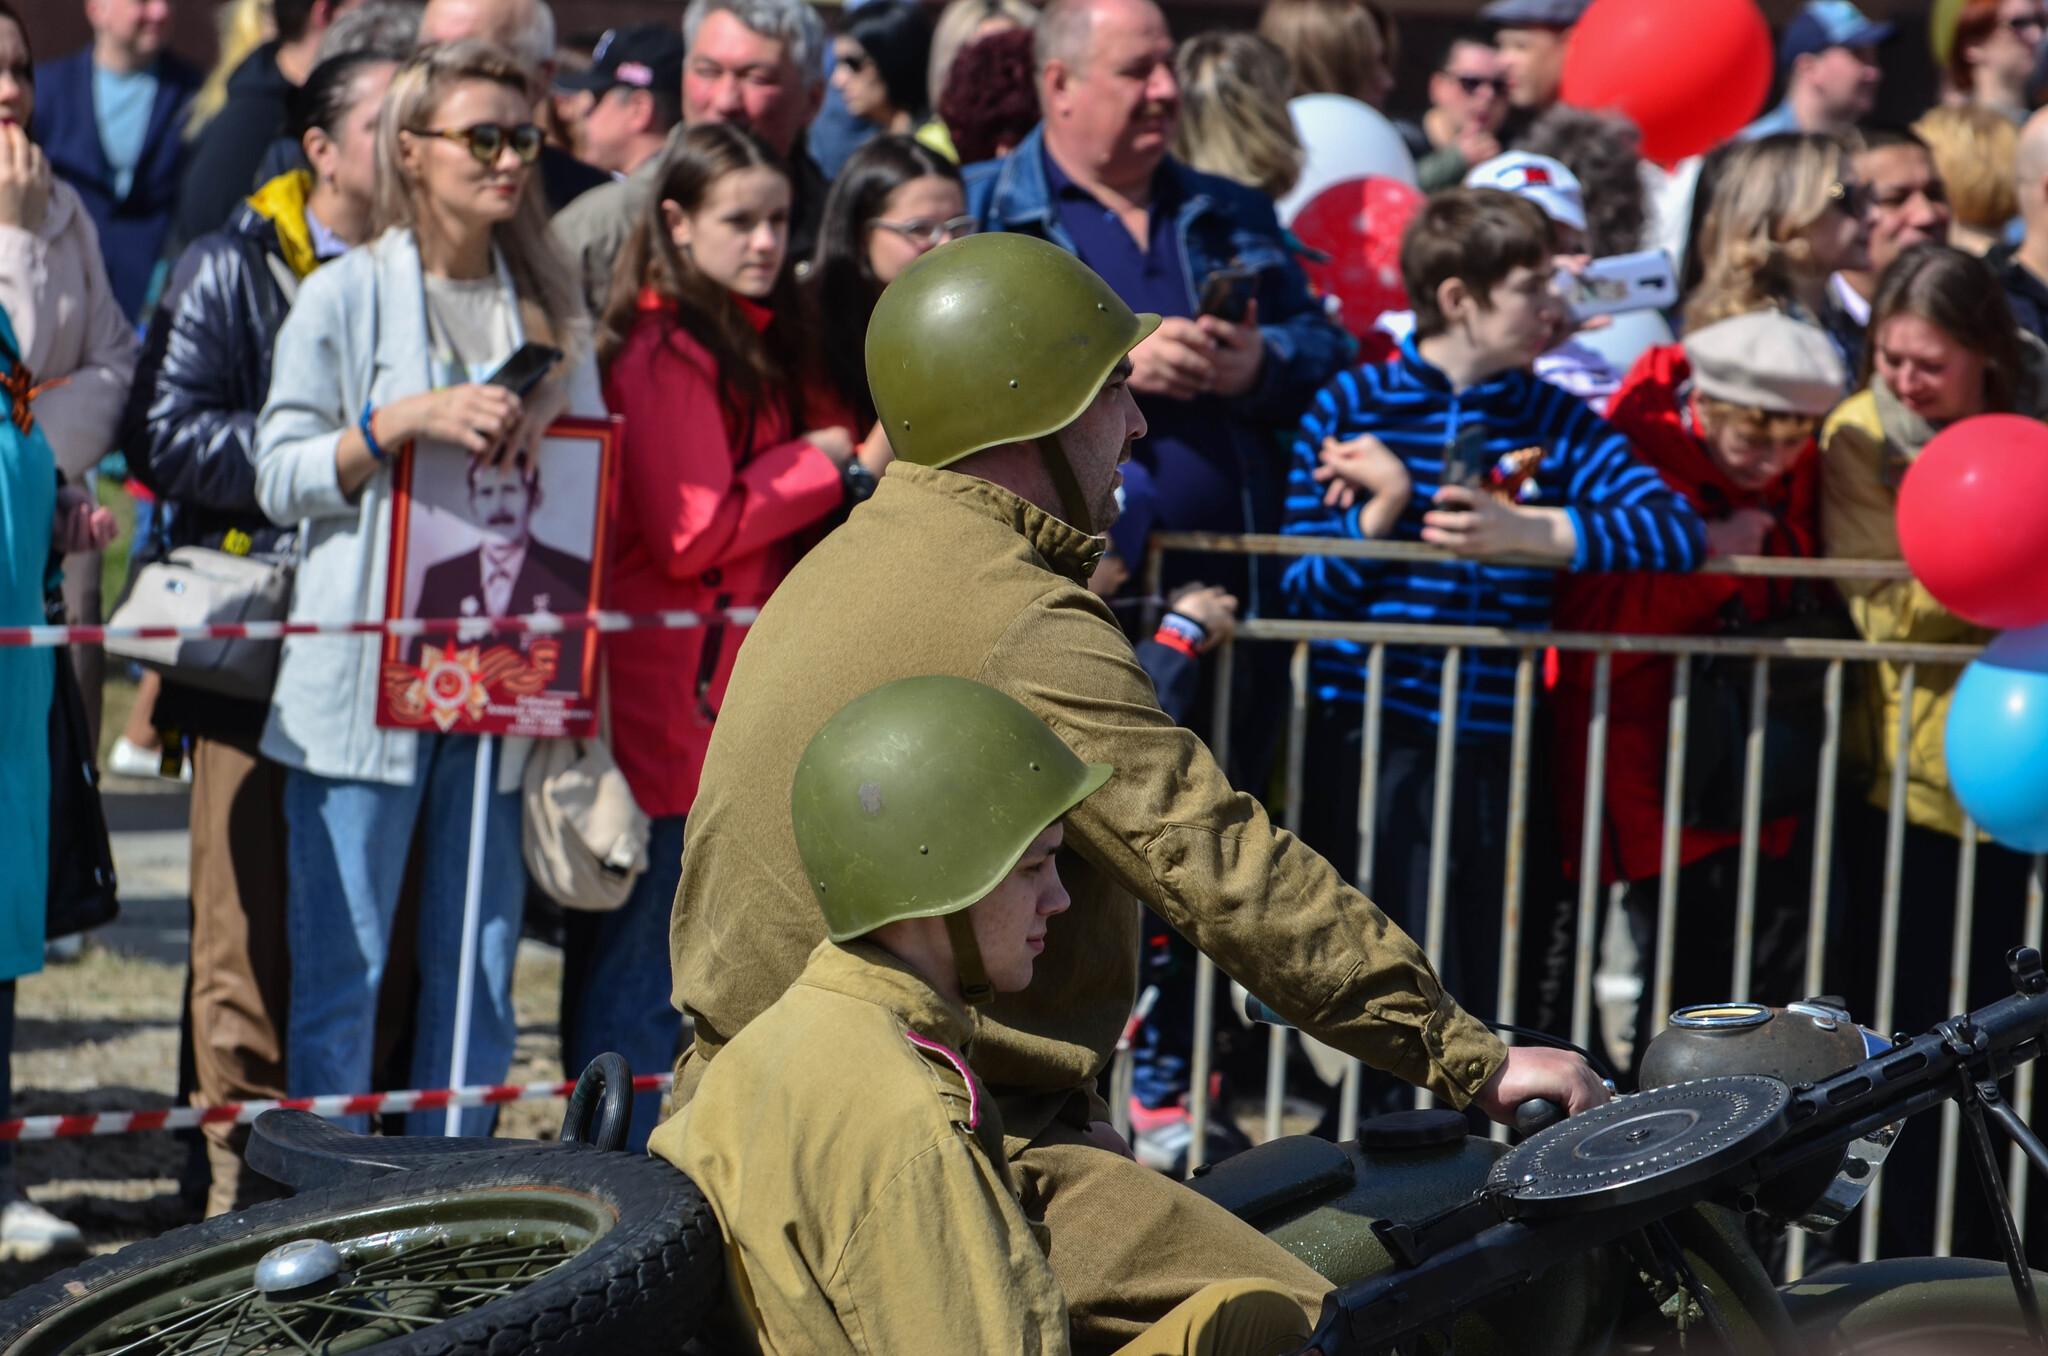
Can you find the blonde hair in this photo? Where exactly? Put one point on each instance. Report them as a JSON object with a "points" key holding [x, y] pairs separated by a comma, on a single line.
{"points": [[960, 23], [241, 26], [1234, 111], [1750, 246], [1332, 46], [541, 273], [1777, 425], [1976, 152]]}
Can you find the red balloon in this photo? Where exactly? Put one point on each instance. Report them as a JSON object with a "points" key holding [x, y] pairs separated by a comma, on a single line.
{"points": [[1359, 224], [1973, 519], [1690, 76]]}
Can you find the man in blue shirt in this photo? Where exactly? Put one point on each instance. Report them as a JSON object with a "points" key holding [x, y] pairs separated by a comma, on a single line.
{"points": [[1828, 53], [1095, 178], [111, 119], [1500, 464]]}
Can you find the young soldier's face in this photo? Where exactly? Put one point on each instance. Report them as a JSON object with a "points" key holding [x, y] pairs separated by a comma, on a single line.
{"points": [[1010, 921], [1520, 319]]}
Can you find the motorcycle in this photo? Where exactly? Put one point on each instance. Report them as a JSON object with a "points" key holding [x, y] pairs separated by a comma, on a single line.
{"points": [[1624, 1228]]}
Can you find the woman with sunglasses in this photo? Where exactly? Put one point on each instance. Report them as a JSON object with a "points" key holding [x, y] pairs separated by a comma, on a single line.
{"points": [[1991, 57], [189, 433], [1943, 347], [736, 453], [1785, 213], [390, 346], [895, 201], [878, 65]]}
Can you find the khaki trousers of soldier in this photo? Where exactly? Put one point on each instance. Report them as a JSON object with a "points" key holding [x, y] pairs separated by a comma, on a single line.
{"points": [[1132, 1249], [241, 958], [1230, 1318]]}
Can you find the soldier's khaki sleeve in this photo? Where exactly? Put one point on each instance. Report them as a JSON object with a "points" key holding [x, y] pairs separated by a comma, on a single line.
{"points": [[947, 1262], [1273, 914]]}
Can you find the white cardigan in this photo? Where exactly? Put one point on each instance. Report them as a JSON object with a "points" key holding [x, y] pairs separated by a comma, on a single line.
{"points": [[357, 332], [71, 330]]}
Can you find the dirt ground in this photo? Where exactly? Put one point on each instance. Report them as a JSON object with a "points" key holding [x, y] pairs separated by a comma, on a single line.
{"points": [[101, 1033]]}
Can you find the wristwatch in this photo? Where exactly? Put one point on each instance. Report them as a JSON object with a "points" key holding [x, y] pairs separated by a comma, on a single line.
{"points": [[858, 480]]}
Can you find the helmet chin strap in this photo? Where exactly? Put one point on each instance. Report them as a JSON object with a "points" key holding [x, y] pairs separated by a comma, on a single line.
{"points": [[1074, 504], [974, 985]]}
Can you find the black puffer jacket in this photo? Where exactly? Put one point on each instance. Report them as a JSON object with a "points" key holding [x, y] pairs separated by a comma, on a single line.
{"points": [[189, 431]]}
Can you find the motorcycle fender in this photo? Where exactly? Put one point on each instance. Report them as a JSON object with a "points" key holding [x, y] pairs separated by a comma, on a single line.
{"points": [[1878, 1303]]}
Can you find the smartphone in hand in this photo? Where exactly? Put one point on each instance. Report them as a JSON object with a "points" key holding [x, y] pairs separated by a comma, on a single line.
{"points": [[1227, 294], [523, 371], [1642, 281]]}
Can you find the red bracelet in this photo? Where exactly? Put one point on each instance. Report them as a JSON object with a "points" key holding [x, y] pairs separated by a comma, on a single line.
{"points": [[1175, 640]]}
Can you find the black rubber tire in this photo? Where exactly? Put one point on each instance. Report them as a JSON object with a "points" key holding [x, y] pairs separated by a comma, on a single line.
{"points": [[643, 1286]]}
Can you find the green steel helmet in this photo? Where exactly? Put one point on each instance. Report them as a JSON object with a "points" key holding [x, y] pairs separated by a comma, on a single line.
{"points": [[915, 800], [992, 338]]}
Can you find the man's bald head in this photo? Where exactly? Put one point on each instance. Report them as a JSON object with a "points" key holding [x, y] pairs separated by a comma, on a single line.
{"points": [[1106, 88], [524, 27], [2030, 167]]}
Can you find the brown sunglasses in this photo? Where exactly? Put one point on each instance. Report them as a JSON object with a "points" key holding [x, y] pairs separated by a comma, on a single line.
{"points": [[488, 140]]}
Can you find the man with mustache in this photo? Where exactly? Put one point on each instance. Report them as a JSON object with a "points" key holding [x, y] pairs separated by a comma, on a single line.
{"points": [[509, 574]]}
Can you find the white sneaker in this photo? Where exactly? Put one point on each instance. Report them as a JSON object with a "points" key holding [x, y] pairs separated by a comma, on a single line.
{"points": [[29, 1233], [130, 759]]}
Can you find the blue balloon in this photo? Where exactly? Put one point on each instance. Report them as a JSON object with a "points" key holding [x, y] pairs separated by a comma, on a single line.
{"points": [[1998, 740]]}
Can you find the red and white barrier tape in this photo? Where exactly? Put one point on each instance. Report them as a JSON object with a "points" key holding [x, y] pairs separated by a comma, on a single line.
{"points": [[463, 628], [340, 1104]]}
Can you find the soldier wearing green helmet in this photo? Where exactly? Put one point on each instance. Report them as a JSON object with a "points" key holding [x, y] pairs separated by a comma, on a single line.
{"points": [[928, 819], [999, 364]]}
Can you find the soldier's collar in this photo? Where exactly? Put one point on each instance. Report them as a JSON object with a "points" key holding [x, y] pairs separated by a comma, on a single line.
{"points": [[1066, 549], [865, 971]]}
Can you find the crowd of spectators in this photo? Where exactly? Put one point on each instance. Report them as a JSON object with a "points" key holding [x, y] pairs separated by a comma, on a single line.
{"points": [[258, 286]]}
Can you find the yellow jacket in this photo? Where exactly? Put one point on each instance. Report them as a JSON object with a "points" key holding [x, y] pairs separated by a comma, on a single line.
{"points": [[946, 573], [858, 1173], [1865, 447]]}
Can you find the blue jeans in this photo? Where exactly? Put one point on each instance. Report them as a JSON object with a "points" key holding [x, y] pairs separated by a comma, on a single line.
{"points": [[347, 844], [616, 978]]}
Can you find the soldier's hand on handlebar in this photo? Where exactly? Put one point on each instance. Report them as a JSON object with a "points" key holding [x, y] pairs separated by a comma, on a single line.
{"points": [[1560, 1076]]}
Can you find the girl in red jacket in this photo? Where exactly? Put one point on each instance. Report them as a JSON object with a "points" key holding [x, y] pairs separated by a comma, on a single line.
{"points": [[733, 456], [1727, 419]]}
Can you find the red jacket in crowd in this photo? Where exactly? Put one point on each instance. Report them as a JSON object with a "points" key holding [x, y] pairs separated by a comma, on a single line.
{"points": [[1648, 409], [702, 524]]}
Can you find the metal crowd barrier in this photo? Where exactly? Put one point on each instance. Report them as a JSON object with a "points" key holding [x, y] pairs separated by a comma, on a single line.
{"points": [[1455, 641]]}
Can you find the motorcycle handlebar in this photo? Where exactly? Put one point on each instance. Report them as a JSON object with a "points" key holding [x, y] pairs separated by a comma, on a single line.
{"points": [[1537, 1114]]}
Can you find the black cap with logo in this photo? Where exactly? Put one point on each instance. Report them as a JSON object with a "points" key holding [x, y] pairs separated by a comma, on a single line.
{"points": [[646, 56]]}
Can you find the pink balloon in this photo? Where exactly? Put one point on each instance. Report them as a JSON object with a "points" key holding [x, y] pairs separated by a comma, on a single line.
{"points": [[1689, 73]]}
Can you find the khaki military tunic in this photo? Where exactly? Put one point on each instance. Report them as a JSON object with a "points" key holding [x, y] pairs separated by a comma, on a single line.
{"points": [[856, 1167], [859, 1175], [943, 573]]}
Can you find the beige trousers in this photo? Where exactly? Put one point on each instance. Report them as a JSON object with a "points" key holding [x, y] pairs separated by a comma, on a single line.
{"points": [[1230, 1318], [1132, 1249]]}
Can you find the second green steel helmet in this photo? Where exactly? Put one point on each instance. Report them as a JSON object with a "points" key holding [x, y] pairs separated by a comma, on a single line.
{"points": [[993, 338], [915, 800]]}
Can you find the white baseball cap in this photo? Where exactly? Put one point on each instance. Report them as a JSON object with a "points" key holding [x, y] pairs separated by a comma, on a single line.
{"points": [[1544, 181]]}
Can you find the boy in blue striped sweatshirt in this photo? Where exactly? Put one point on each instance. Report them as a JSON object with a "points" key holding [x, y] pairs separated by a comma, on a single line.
{"points": [[1492, 462]]}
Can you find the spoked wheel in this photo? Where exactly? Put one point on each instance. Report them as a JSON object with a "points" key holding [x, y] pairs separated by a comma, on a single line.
{"points": [[565, 1251]]}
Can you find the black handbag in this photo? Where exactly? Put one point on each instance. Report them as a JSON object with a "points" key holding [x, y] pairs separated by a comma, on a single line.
{"points": [[1718, 716], [82, 885]]}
